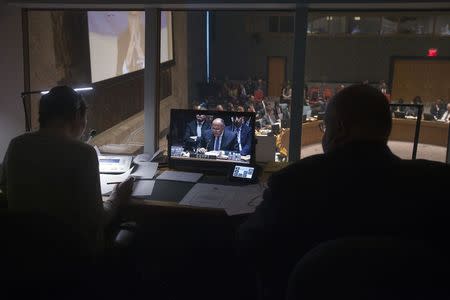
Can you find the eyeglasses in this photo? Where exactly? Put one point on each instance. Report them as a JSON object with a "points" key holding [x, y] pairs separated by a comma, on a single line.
{"points": [[322, 127]]}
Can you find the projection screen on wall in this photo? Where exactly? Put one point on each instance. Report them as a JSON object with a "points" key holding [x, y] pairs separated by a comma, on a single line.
{"points": [[117, 42]]}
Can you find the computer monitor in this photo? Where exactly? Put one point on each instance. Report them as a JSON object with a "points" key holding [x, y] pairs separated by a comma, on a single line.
{"points": [[208, 140], [428, 117]]}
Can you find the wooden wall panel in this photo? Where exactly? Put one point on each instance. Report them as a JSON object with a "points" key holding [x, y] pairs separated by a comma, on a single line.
{"points": [[115, 100], [429, 79]]}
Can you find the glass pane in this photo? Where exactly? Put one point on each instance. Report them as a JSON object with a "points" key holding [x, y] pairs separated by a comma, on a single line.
{"points": [[287, 24], [232, 61], [116, 43], [443, 25], [389, 25], [176, 91], [104, 50], [381, 61], [416, 25], [273, 23], [337, 24], [166, 37], [318, 25], [364, 25]]}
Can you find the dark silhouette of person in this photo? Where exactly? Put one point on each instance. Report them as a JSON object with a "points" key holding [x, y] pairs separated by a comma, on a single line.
{"points": [[437, 109], [218, 138], [194, 131], [350, 190], [243, 133], [61, 178]]}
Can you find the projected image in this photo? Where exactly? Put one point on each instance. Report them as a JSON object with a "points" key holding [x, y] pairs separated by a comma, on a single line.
{"points": [[117, 42], [206, 135]]}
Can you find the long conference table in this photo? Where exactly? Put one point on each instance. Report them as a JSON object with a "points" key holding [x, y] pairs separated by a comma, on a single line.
{"points": [[431, 132]]}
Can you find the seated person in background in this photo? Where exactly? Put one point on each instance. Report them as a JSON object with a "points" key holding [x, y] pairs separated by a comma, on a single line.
{"points": [[243, 134], [219, 107], [230, 106], [417, 100], [398, 108], [317, 106], [258, 94], [194, 131], [52, 172], [218, 138], [446, 115], [383, 87], [240, 108], [242, 91], [437, 109], [354, 196], [286, 93], [233, 91], [412, 111], [249, 86], [269, 115], [339, 88]]}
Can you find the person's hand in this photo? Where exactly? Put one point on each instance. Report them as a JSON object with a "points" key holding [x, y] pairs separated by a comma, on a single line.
{"points": [[201, 150], [124, 189]]}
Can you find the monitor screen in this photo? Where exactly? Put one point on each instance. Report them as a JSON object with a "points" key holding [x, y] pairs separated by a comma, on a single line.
{"points": [[117, 42], [210, 140]]}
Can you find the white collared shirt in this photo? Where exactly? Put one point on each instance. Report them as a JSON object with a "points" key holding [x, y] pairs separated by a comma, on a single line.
{"points": [[199, 129], [446, 116], [238, 133]]}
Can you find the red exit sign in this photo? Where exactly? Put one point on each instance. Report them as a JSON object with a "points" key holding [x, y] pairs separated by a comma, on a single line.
{"points": [[432, 52]]}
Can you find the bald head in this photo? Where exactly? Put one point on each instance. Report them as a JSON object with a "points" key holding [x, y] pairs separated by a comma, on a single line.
{"points": [[356, 113], [217, 127]]}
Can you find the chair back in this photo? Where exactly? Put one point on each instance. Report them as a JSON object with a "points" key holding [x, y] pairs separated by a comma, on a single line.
{"points": [[42, 256], [370, 268]]}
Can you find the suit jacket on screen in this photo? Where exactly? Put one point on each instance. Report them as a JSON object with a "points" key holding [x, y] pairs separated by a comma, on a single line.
{"points": [[246, 138], [229, 141]]}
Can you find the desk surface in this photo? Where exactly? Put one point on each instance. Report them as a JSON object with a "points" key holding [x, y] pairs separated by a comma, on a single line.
{"points": [[166, 195]]}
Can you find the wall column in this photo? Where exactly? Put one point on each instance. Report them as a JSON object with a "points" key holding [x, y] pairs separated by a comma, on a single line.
{"points": [[151, 80]]}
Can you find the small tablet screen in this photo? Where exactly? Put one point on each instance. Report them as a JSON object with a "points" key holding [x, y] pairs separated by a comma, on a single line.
{"points": [[243, 172]]}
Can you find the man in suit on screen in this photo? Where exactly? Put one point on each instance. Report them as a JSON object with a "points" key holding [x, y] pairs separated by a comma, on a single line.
{"points": [[194, 130], [243, 134], [218, 138]]}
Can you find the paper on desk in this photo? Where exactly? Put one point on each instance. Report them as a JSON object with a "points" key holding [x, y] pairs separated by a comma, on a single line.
{"points": [[180, 176], [106, 178], [234, 200], [143, 188], [145, 170]]}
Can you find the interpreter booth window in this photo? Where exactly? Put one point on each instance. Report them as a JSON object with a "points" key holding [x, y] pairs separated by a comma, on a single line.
{"points": [[419, 25], [442, 27], [389, 51], [318, 24], [326, 24], [234, 61], [103, 54], [360, 24]]}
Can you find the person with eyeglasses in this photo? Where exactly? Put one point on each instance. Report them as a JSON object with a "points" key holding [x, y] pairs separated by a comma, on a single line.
{"points": [[349, 190]]}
